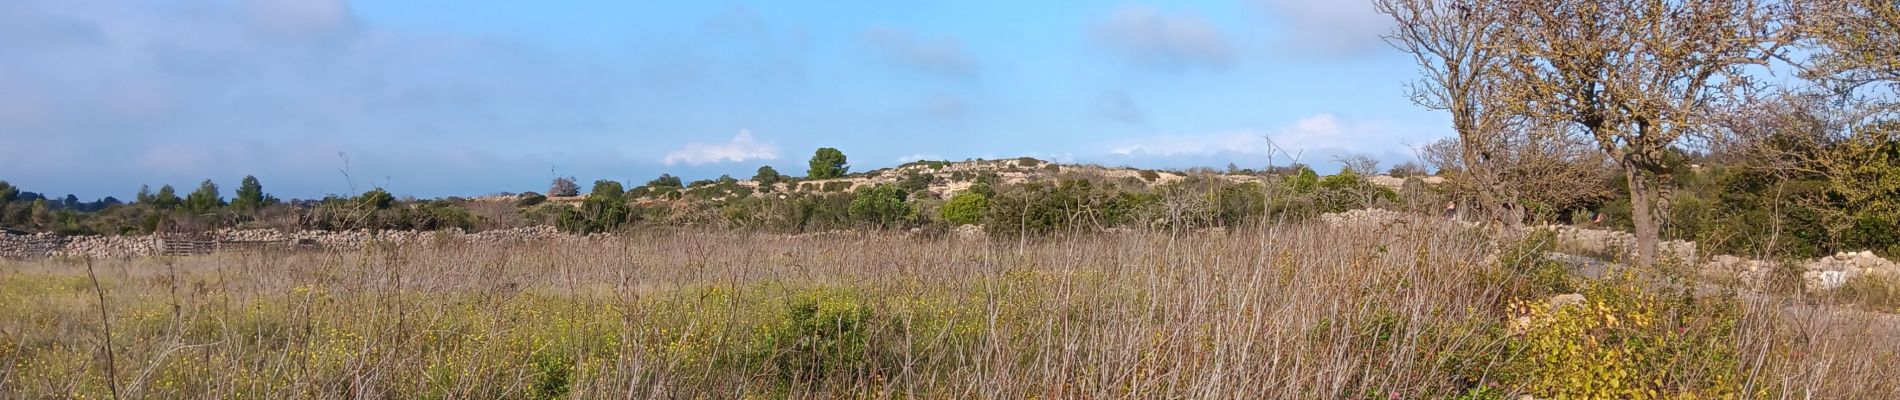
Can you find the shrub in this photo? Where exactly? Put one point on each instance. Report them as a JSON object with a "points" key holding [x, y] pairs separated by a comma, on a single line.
{"points": [[553, 372], [1042, 207], [881, 205], [767, 176], [1628, 342], [1406, 170], [915, 182], [822, 333], [967, 207], [530, 199], [604, 210], [1148, 175], [377, 199], [664, 181], [1874, 292], [1239, 204], [1526, 270]]}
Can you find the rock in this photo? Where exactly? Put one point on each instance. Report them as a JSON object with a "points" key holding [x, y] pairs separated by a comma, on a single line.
{"points": [[1363, 217], [971, 232], [1566, 300]]}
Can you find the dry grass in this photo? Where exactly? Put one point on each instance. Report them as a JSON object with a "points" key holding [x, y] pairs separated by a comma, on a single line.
{"points": [[1286, 312]]}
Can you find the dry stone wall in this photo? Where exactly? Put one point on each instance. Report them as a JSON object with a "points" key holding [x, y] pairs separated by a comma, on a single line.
{"points": [[1818, 274]]}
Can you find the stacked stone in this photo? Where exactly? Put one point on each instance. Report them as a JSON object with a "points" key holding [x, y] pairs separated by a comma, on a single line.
{"points": [[971, 233], [30, 246], [1819, 274], [1833, 272], [108, 247], [1362, 217], [251, 235], [1607, 241]]}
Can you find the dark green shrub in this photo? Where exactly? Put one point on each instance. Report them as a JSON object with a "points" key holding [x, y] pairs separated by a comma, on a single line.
{"points": [[880, 205], [767, 176], [553, 372], [530, 199], [823, 333], [967, 207], [915, 182]]}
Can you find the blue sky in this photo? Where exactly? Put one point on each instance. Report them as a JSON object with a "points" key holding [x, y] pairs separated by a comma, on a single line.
{"points": [[434, 98]]}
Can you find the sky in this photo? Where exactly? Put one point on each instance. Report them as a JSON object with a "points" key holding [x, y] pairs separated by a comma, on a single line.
{"points": [[435, 97]]}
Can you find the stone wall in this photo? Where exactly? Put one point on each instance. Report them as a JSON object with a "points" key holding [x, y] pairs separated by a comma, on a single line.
{"points": [[31, 246], [1818, 274]]}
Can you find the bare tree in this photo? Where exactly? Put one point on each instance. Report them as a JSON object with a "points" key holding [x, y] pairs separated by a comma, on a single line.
{"points": [[1548, 167], [1636, 75], [1458, 45], [1359, 164], [1852, 43], [564, 187]]}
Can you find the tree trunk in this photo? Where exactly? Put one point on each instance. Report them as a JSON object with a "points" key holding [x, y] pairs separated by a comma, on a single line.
{"points": [[1478, 169], [1642, 214]]}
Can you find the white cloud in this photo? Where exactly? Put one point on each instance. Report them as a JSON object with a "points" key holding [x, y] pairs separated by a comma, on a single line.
{"points": [[1328, 28], [1323, 132], [742, 147], [1148, 37], [919, 157]]}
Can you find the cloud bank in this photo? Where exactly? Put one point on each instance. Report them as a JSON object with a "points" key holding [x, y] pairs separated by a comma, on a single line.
{"points": [[1146, 36], [1327, 28], [742, 147], [1316, 140]]}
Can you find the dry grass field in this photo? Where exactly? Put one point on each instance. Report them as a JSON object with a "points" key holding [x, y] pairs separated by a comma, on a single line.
{"points": [[1290, 311]]}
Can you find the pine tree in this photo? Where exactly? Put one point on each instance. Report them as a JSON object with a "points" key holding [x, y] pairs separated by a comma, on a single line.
{"points": [[250, 194], [204, 200], [827, 163], [167, 198]]}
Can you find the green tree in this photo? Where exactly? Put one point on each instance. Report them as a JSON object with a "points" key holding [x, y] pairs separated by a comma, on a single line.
{"points": [[604, 210], [204, 200], [167, 198], [376, 199], [827, 163], [881, 205], [767, 176], [607, 190], [8, 192], [145, 195], [250, 194], [41, 214], [664, 181], [967, 207]]}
